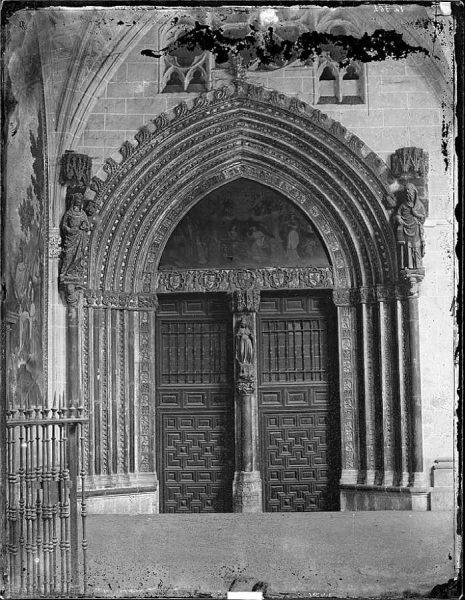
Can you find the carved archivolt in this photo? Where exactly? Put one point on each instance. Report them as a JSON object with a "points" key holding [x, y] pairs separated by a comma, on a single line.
{"points": [[250, 132]]}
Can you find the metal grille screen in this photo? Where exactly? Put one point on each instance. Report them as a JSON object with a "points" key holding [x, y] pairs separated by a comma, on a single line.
{"points": [[194, 352], [293, 350]]}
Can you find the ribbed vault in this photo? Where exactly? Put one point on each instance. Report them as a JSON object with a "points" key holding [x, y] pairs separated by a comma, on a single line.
{"points": [[229, 133]]}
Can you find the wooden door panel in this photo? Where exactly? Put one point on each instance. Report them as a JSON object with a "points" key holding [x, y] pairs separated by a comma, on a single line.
{"points": [[198, 464], [195, 404], [297, 404]]}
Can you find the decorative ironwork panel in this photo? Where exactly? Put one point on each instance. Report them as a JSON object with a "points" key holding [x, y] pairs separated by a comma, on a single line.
{"points": [[296, 474], [197, 462], [193, 352], [293, 350]]}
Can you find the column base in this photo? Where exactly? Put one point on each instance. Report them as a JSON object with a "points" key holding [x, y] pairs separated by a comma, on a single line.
{"points": [[247, 492], [364, 497], [349, 477]]}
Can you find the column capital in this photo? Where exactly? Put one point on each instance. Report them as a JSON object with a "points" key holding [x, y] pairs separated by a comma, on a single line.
{"points": [[345, 296], [366, 295], [385, 292], [245, 300]]}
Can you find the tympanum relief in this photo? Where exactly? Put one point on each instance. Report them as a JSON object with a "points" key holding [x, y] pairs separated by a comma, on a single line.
{"points": [[244, 225]]}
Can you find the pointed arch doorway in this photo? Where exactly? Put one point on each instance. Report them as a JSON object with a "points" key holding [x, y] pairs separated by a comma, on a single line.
{"points": [[245, 229], [234, 132]]}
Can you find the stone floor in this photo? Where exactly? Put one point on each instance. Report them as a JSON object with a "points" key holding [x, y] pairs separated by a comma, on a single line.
{"points": [[363, 554]]}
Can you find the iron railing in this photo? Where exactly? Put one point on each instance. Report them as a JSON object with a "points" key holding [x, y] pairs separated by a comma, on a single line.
{"points": [[45, 447]]}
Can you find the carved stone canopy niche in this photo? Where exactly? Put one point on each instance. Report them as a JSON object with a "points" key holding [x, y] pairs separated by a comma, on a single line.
{"points": [[228, 134]]}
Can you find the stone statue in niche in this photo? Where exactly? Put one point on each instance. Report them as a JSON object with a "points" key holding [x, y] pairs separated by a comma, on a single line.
{"points": [[75, 227], [244, 348], [409, 218]]}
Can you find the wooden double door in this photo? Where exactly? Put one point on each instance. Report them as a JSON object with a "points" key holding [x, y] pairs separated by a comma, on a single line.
{"points": [[297, 403]]}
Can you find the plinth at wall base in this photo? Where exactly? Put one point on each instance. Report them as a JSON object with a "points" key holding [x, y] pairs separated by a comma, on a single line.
{"points": [[364, 497], [349, 477], [125, 493], [247, 492]]}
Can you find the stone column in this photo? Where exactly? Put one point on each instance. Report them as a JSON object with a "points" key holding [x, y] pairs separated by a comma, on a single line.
{"points": [[247, 485], [73, 397], [346, 312], [385, 297], [417, 476], [367, 300], [402, 364]]}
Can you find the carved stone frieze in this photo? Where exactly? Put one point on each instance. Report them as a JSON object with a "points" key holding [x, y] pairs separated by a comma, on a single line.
{"points": [[209, 280], [120, 300]]}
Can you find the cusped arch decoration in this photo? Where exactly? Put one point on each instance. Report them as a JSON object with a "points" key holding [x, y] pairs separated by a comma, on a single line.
{"points": [[250, 132]]}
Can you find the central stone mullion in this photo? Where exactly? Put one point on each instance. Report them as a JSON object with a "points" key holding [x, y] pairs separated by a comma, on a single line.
{"points": [[247, 485]]}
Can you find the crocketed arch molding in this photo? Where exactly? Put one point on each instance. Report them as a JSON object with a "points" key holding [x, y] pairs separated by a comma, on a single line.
{"points": [[241, 131]]}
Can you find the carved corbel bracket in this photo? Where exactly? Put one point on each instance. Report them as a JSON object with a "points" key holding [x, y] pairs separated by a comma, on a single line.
{"points": [[245, 386], [245, 300], [72, 292], [409, 286]]}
